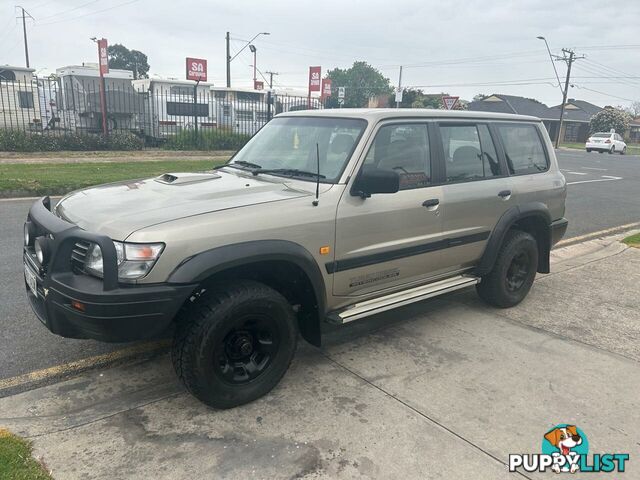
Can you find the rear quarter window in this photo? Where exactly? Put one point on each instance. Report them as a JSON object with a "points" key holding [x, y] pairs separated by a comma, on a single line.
{"points": [[523, 148]]}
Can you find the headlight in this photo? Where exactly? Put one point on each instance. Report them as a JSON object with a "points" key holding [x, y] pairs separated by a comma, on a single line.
{"points": [[41, 249], [135, 260], [29, 233]]}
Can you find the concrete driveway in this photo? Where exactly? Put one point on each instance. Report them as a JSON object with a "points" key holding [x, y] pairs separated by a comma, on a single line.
{"points": [[441, 389]]}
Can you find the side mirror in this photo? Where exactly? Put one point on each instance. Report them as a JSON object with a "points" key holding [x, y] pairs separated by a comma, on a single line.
{"points": [[372, 180]]}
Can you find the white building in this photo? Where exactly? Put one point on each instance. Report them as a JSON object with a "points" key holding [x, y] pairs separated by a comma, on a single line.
{"points": [[19, 106], [170, 106], [78, 100]]}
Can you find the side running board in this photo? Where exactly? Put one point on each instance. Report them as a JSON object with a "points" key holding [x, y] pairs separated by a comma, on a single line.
{"points": [[397, 299]]}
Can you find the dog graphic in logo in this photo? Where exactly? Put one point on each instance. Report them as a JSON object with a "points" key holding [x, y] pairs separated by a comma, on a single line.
{"points": [[565, 439]]}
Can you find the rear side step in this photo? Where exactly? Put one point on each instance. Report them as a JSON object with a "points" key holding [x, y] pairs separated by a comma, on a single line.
{"points": [[397, 299]]}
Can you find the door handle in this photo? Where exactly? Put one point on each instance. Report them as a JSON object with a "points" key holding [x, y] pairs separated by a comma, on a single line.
{"points": [[504, 193], [433, 202]]}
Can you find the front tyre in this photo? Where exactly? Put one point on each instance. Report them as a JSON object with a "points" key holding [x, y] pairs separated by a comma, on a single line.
{"points": [[513, 272], [234, 343]]}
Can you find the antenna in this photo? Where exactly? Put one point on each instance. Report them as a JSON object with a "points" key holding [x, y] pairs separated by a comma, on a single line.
{"points": [[315, 202]]}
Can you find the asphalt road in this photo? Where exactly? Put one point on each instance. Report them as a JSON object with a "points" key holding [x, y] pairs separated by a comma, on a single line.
{"points": [[603, 193]]}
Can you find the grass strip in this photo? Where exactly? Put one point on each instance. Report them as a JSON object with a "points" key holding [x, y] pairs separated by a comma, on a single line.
{"points": [[16, 460], [56, 179]]}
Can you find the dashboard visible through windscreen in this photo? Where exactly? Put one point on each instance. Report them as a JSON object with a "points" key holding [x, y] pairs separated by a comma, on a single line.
{"points": [[295, 142]]}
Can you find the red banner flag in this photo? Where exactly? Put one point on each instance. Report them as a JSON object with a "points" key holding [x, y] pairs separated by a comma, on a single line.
{"points": [[314, 79], [326, 87], [103, 56]]}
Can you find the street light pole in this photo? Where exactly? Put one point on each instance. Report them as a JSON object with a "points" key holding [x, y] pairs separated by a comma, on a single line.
{"points": [[254, 50], [230, 58], [552, 62]]}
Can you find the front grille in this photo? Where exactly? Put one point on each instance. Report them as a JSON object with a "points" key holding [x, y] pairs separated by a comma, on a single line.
{"points": [[78, 256]]}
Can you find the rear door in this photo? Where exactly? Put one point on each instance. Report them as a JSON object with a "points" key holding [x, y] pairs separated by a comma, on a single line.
{"points": [[529, 164], [476, 190], [388, 240]]}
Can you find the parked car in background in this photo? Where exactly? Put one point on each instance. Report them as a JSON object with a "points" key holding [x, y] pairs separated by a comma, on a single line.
{"points": [[610, 142]]}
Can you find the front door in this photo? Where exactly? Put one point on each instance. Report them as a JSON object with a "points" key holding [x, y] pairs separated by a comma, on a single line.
{"points": [[388, 240]]}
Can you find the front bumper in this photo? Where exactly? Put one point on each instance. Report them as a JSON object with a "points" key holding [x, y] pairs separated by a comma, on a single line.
{"points": [[79, 306]]}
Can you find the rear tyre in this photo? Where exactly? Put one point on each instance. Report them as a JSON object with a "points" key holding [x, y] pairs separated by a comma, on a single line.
{"points": [[613, 150], [600, 151], [234, 343], [513, 272], [624, 151], [588, 150]]}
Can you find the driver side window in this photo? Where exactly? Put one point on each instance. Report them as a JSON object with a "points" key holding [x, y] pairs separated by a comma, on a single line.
{"points": [[403, 148]]}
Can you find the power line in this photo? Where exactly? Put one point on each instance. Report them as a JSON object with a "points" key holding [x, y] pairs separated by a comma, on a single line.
{"points": [[605, 93], [129, 2], [70, 10]]}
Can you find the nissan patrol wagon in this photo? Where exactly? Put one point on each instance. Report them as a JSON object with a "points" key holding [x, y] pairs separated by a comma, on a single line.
{"points": [[324, 216]]}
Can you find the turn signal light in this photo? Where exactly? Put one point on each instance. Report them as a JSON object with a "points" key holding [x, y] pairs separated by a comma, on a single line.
{"points": [[77, 305], [325, 250]]}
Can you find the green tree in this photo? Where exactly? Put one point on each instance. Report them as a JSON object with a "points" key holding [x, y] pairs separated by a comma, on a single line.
{"points": [[361, 82], [122, 58], [610, 118]]}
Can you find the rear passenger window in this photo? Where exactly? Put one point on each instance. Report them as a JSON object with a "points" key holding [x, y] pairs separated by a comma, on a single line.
{"points": [[403, 148], [523, 149], [469, 152]]}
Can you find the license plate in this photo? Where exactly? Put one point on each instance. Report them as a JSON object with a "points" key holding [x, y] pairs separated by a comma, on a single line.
{"points": [[30, 277]]}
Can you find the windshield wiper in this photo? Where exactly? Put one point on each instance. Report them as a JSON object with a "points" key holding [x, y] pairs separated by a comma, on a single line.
{"points": [[289, 171], [243, 163]]}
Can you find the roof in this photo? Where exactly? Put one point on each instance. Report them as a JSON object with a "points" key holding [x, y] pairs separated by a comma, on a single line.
{"points": [[16, 69], [509, 104], [172, 81], [575, 110], [376, 114]]}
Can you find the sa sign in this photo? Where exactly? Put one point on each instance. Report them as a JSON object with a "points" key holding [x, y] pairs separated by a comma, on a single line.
{"points": [[196, 69]]}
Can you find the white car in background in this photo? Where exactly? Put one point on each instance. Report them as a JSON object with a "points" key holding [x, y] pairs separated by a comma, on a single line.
{"points": [[609, 142]]}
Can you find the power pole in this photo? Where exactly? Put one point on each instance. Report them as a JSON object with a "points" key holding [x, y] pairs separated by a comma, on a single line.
{"points": [[569, 59], [228, 62], [271, 74], [399, 87], [25, 14]]}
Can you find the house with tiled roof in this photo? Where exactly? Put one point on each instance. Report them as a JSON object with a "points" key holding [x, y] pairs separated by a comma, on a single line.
{"points": [[575, 125]]}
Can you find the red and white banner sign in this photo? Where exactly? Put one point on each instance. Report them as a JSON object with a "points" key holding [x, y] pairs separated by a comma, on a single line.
{"points": [[196, 69], [326, 87], [103, 56], [449, 102], [314, 79], [258, 85]]}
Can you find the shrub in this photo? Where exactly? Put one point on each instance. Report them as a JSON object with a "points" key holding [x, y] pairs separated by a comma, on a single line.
{"points": [[610, 118], [206, 140], [21, 141]]}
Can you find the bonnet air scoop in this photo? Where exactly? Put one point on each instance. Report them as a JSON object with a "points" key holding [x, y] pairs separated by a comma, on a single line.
{"points": [[185, 178]]}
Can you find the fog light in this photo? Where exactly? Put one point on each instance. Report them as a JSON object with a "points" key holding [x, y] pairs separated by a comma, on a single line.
{"points": [[41, 249]]}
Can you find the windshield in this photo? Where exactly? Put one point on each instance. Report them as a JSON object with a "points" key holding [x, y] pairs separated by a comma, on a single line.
{"points": [[289, 144]]}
